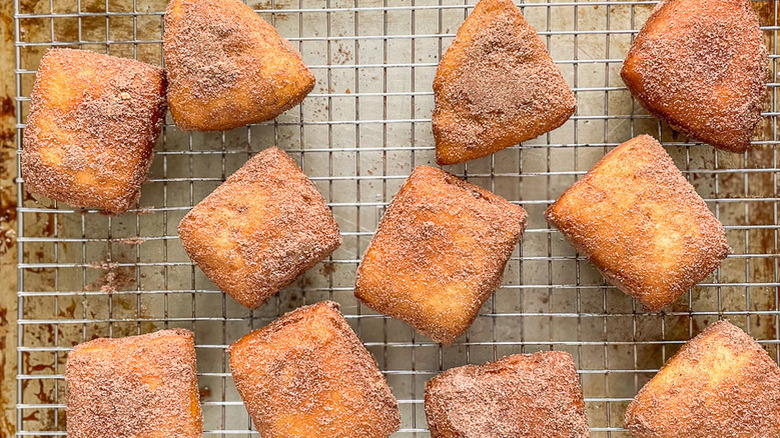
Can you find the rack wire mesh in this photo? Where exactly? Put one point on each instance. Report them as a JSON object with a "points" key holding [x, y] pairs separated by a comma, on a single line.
{"points": [[358, 135]]}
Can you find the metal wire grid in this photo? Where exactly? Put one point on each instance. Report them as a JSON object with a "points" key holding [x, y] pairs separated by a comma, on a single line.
{"points": [[358, 135]]}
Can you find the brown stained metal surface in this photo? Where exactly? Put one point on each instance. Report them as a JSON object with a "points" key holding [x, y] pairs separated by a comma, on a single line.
{"points": [[7, 224]]}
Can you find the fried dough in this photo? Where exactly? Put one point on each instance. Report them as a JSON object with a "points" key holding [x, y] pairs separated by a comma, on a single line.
{"points": [[93, 123], [641, 223], [720, 384], [227, 67], [523, 395], [135, 387], [701, 66], [438, 253], [307, 375], [496, 86], [262, 228]]}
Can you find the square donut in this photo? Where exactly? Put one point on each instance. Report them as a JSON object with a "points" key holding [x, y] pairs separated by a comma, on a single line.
{"points": [[720, 384], [93, 123], [262, 228], [135, 387], [438, 253], [641, 224], [227, 67], [523, 395], [308, 375]]}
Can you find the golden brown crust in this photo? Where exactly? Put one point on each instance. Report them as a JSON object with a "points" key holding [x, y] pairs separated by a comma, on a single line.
{"points": [[523, 395], [93, 123], [308, 375], [438, 253], [135, 387], [641, 224], [720, 384], [496, 86], [262, 228], [227, 67], [701, 65]]}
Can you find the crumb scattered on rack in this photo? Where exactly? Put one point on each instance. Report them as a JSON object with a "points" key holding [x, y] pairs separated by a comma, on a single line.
{"points": [[132, 241]]}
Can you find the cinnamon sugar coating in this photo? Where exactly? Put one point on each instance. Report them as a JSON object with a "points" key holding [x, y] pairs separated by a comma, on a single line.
{"points": [[439, 252], [93, 123], [720, 384], [262, 228], [496, 86], [641, 224], [135, 387], [308, 375], [227, 67], [523, 395], [701, 65]]}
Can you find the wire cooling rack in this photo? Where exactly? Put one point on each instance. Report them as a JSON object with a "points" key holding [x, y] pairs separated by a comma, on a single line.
{"points": [[358, 135]]}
